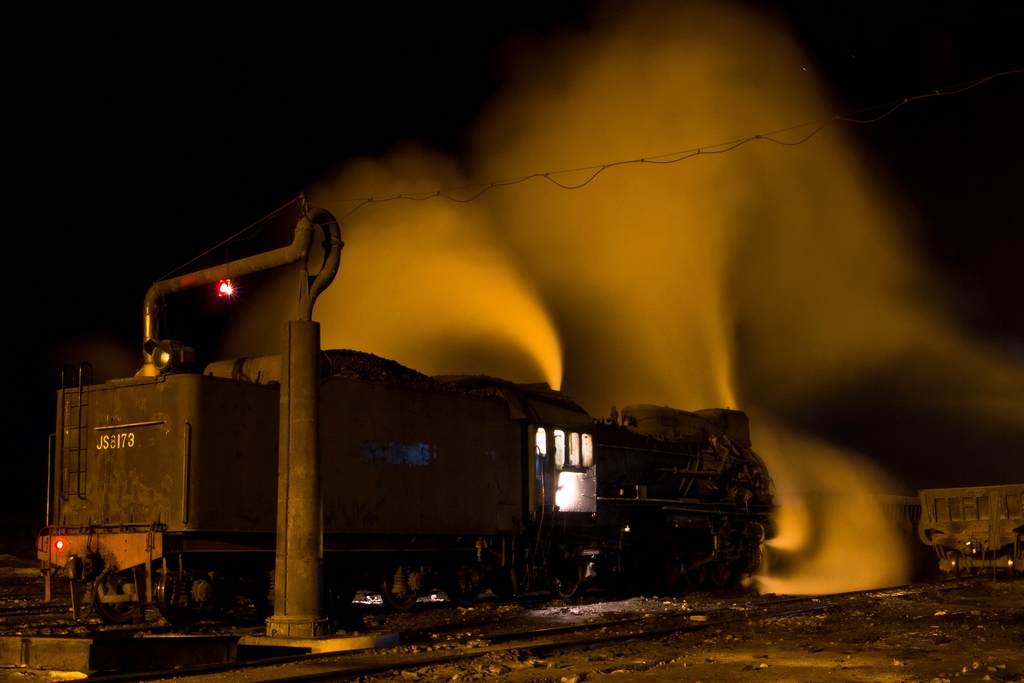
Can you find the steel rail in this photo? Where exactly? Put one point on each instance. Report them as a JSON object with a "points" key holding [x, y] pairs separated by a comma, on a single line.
{"points": [[352, 665]]}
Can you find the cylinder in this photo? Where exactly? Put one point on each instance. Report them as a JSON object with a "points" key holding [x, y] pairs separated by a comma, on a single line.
{"points": [[298, 578]]}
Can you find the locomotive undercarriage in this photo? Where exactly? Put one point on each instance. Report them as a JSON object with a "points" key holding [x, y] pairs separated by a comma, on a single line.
{"points": [[974, 530], [185, 586], [972, 558], [661, 550], [188, 577], [676, 561], [181, 596], [230, 576]]}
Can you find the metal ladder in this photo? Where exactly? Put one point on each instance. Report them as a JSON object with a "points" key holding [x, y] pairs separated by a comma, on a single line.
{"points": [[74, 439]]}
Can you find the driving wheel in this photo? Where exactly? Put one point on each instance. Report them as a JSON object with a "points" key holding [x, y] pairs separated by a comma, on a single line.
{"points": [[115, 598]]}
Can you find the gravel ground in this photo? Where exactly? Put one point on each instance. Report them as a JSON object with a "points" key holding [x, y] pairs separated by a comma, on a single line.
{"points": [[975, 632]]}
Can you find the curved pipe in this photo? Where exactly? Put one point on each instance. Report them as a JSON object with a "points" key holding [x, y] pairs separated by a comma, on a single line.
{"points": [[332, 257], [297, 251]]}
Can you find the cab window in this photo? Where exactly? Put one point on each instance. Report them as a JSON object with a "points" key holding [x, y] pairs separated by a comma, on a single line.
{"points": [[574, 449], [542, 442]]}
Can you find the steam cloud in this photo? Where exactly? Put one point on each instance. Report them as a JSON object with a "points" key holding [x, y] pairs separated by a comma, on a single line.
{"points": [[771, 279], [425, 285]]}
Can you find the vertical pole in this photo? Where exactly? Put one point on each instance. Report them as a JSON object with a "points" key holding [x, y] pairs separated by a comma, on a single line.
{"points": [[298, 576]]}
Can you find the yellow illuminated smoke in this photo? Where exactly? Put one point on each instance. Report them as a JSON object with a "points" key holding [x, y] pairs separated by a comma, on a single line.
{"points": [[833, 533], [767, 278], [423, 285]]}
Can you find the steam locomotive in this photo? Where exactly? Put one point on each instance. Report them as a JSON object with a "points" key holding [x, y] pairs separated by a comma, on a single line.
{"points": [[163, 488]]}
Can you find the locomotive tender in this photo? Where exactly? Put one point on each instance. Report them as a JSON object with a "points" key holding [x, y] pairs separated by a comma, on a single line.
{"points": [[163, 488]]}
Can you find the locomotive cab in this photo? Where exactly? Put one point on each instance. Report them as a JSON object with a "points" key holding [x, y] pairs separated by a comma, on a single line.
{"points": [[565, 505]]}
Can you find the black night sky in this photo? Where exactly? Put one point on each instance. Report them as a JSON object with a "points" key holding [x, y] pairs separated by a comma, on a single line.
{"points": [[140, 143]]}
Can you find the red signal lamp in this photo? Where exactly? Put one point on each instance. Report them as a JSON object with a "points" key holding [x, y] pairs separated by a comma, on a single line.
{"points": [[59, 545], [225, 288]]}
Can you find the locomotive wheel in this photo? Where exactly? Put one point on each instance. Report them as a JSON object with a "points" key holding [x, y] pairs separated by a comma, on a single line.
{"points": [[396, 591], [962, 571], [164, 596], [564, 587], [397, 601], [669, 565], [463, 586], [720, 574], [566, 580], [695, 576], [959, 570], [115, 583]]}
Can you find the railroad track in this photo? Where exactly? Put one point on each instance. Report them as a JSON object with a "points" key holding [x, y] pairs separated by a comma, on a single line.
{"points": [[422, 648], [33, 610]]}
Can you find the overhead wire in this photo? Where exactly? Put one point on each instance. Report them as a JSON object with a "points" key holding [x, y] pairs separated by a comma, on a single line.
{"points": [[887, 109], [232, 238]]}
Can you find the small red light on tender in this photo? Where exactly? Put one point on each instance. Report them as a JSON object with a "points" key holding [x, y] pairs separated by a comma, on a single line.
{"points": [[59, 544], [225, 288]]}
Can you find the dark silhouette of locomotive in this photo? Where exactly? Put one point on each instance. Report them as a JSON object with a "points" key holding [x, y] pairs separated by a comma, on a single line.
{"points": [[163, 489], [168, 488]]}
